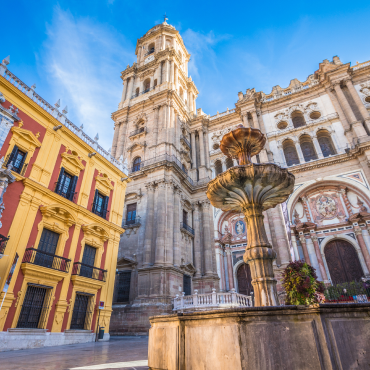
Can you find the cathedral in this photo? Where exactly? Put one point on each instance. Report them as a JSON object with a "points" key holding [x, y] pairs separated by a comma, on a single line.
{"points": [[175, 242]]}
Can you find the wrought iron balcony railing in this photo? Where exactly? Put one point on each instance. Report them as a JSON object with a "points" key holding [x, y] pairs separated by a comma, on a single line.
{"points": [[138, 131], [187, 228], [186, 141], [3, 243], [88, 271], [132, 222], [151, 51], [20, 170], [65, 194], [143, 92], [45, 259]]}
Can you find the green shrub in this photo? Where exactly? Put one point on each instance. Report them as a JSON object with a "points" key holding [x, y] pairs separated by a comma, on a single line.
{"points": [[301, 285]]}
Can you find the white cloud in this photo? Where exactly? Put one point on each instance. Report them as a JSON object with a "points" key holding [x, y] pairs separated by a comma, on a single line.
{"points": [[82, 60]]}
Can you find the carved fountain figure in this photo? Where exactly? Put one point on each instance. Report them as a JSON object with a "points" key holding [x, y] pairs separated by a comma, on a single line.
{"points": [[252, 188]]}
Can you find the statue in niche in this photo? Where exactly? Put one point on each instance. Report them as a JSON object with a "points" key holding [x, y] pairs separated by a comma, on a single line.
{"points": [[296, 217], [326, 207], [361, 205], [240, 227]]}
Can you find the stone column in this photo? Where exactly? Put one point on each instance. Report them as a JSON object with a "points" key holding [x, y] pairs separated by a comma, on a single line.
{"points": [[193, 149], [222, 269], [121, 139], [163, 42], [207, 150], [156, 124], [176, 77], [172, 76], [197, 241], [346, 107], [132, 89], [167, 70], [149, 224], [363, 247], [230, 269], [207, 238], [124, 90], [319, 257], [299, 151], [304, 248], [169, 232], [255, 119], [115, 139], [295, 247], [358, 101], [317, 147], [160, 223], [223, 162], [201, 147], [176, 228]]}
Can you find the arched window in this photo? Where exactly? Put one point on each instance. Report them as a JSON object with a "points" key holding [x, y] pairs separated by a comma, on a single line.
{"points": [[147, 85], [290, 153], [155, 82], [229, 163], [308, 149], [326, 144], [298, 119], [218, 167], [150, 49], [137, 91], [136, 164]]}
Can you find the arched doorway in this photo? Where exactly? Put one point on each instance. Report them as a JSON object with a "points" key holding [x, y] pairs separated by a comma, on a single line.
{"points": [[343, 263], [244, 278]]}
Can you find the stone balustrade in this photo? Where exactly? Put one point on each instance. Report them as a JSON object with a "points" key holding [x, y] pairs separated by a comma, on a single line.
{"points": [[211, 301]]}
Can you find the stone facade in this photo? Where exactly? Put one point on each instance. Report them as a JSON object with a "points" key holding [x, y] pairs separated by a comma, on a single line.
{"points": [[318, 128]]}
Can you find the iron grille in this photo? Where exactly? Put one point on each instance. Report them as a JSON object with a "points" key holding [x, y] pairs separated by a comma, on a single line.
{"points": [[123, 291], [187, 228], [45, 259], [70, 195], [3, 243], [35, 307], [88, 271], [83, 310], [21, 170]]}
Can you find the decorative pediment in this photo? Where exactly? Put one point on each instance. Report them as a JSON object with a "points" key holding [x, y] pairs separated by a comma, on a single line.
{"points": [[95, 235], [136, 145], [72, 163], [57, 213], [188, 267], [134, 195], [25, 139], [141, 119], [104, 184], [126, 262]]}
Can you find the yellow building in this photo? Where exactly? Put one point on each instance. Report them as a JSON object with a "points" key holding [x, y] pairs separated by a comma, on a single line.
{"points": [[62, 215]]}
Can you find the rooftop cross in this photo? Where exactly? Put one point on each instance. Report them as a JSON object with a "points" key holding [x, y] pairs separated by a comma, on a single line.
{"points": [[165, 18]]}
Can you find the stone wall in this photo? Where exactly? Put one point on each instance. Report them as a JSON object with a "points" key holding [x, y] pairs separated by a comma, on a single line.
{"points": [[331, 336]]}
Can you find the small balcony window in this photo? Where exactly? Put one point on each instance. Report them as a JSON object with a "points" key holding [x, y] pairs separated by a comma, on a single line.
{"points": [[17, 158], [100, 205], [131, 214], [136, 164], [66, 185]]}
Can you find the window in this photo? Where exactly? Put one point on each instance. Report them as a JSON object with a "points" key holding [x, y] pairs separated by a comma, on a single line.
{"points": [[131, 214], [66, 185], [35, 307], [187, 284], [229, 163], [155, 82], [46, 249], [82, 311], [315, 115], [307, 147], [282, 125], [123, 286], [137, 91], [88, 261], [100, 205], [184, 217], [326, 144], [146, 85], [218, 167], [17, 158], [298, 119], [290, 153], [184, 168], [137, 164], [151, 49]]}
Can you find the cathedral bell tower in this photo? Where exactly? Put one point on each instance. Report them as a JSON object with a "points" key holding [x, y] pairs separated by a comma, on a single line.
{"points": [[168, 245]]}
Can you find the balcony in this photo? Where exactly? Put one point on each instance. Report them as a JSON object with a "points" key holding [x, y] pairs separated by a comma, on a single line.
{"points": [[185, 141], [65, 194], [20, 170], [187, 228], [91, 272], [45, 259], [136, 222], [151, 51], [141, 130], [3, 243], [143, 92]]}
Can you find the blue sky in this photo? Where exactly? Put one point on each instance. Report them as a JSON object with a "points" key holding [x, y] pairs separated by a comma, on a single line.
{"points": [[75, 50]]}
